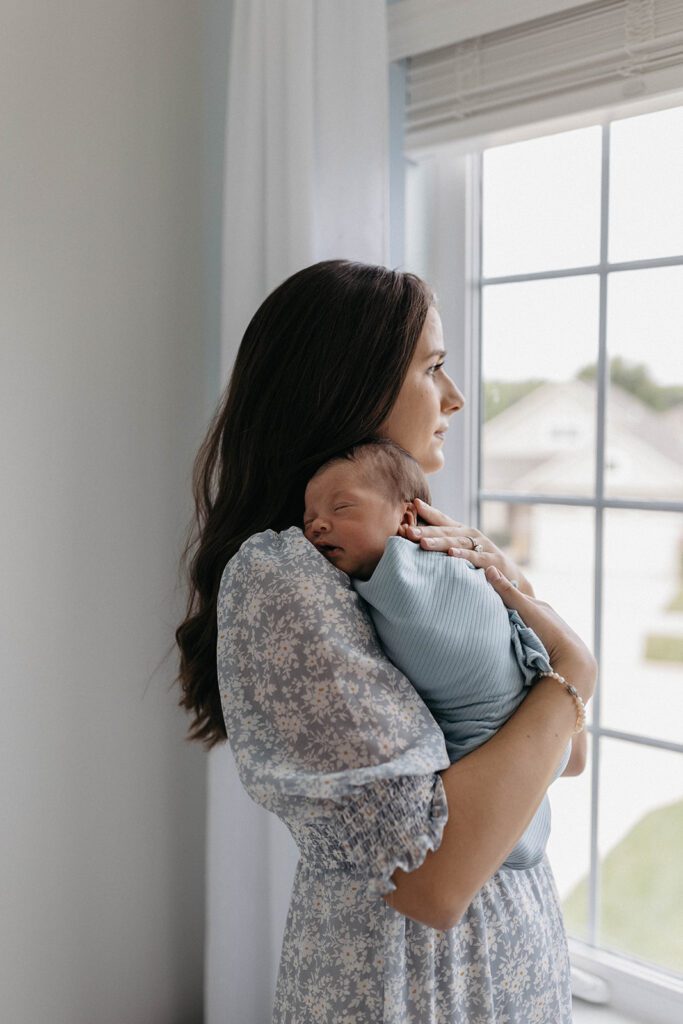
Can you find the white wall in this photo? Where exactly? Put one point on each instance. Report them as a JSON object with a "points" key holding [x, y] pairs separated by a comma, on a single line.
{"points": [[103, 396]]}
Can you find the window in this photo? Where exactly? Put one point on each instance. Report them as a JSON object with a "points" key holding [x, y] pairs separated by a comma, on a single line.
{"points": [[558, 265]]}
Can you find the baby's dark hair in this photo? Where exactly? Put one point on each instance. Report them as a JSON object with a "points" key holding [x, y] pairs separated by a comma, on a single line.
{"points": [[385, 465]]}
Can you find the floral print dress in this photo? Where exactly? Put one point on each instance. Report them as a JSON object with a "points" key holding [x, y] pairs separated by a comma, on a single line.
{"points": [[329, 735]]}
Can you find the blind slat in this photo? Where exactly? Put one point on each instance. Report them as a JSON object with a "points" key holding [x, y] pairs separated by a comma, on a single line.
{"points": [[559, 60]]}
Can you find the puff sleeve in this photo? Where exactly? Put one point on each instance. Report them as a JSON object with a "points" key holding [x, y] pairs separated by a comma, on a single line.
{"points": [[326, 732]]}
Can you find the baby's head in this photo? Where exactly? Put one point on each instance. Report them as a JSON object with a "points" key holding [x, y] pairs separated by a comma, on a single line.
{"points": [[358, 498]]}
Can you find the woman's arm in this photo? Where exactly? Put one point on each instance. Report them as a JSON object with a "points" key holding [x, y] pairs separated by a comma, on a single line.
{"points": [[577, 758], [494, 792]]}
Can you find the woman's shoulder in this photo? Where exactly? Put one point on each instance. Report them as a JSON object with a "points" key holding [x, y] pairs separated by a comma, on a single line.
{"points": [[278, 553], [282, 548]]}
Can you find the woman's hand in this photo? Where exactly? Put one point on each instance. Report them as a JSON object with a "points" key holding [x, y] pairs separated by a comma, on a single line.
{"points": [[567, 652], [446, 534]]}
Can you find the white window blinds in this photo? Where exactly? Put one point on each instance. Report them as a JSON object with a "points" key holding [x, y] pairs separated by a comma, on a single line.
{"points": [[584, 58]]}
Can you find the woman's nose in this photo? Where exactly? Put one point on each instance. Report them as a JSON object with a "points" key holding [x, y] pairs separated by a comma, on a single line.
{"points": [[453, 399]]}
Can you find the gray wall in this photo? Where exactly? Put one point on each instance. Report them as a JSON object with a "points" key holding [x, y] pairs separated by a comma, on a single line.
{"points": [[216, 20], [110, 170]]}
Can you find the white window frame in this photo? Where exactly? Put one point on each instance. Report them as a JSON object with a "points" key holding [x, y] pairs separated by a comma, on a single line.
{"points": [[450, 259]]}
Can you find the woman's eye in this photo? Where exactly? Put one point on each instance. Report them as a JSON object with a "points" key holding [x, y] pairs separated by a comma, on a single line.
{"points": [[437, 366]]}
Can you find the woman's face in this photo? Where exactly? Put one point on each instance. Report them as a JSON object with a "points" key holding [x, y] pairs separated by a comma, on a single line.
{"points": [[426, 401]]}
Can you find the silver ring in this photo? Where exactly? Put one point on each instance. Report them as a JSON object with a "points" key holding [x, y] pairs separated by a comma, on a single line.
{"points": [[476, 546]]}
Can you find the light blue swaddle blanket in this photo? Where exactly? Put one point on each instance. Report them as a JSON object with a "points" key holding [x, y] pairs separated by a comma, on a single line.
{"points": [[469, 657]]}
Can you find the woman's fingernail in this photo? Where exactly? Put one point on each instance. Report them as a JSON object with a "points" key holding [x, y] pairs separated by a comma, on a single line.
{"points": [[431, 541], [415, 532], [492, 573]]}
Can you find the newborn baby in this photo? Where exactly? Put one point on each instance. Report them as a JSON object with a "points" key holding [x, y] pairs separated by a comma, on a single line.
{"points": [[442, 624]]}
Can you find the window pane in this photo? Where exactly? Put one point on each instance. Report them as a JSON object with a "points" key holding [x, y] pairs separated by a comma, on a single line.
{"points": [[640, 837], [569, 846], [541, 203], [642, 637], [538, 538], [539, 430], [645, 210], [644, 450]]}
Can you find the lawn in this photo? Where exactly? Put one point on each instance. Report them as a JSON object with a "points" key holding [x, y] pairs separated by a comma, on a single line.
{"points": [[641, 905]]}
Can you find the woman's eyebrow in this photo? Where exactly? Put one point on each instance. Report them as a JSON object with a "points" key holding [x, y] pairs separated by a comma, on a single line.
{"points": [[437, 352]]}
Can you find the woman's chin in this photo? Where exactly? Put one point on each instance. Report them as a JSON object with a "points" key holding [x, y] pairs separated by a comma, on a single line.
{"points": [[433, 461]]}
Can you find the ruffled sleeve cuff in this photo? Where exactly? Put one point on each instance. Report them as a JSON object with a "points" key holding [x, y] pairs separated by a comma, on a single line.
{"points": [[390, 824]]}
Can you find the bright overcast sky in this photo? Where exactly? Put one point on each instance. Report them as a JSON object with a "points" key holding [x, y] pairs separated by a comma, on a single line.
{"points": [[542, 211]]}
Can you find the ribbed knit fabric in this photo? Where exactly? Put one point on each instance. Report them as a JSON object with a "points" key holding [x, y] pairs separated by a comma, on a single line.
{"points": [[469, 657]]}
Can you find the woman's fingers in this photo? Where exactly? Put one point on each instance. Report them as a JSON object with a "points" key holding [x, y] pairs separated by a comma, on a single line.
{"points": [[433, 516], [455, 536], [451, 545], [503, 586], [481, 559], [465, 543], [459, 532]]}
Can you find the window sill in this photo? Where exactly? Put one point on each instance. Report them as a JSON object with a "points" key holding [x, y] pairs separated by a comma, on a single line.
{"points": [[639, 994], [587, 1013]]}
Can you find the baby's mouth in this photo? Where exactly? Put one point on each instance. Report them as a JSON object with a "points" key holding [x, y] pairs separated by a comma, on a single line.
{"points": [[328, 549]]}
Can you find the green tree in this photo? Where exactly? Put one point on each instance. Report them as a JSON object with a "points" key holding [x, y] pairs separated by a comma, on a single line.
{"points": [[500, 394], [635, 378]]}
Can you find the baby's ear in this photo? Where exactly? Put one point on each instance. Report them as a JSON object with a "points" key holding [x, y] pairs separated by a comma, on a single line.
{"points": [[409, 517]]}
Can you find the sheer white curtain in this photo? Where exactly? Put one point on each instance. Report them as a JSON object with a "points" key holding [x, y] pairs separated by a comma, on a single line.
{"points": [[306, 179]]}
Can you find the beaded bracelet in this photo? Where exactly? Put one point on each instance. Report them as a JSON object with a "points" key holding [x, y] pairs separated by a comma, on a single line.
{"points": [[580, 706]]}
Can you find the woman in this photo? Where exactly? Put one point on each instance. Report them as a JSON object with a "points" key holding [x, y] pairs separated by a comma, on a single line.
{"points": [[277, 653]]}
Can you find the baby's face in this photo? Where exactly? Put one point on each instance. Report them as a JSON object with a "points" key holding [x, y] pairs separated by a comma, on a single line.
{"points": [[348, 521]]}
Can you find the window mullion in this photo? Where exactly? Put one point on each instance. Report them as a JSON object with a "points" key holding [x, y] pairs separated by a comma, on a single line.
{"points": [[634, 737], [549, 275], [601, 406], [527, 498], [476, 384]]}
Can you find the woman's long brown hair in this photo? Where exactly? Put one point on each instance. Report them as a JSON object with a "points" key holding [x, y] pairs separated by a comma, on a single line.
{"points": [[319, 367]]}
